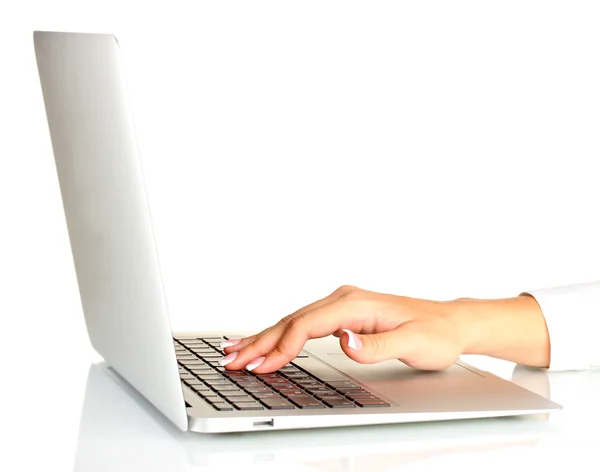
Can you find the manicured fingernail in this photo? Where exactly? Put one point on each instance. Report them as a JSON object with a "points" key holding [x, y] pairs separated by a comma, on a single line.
{"points": [[354, 341], [255, 363], [229, 358], [229, 343]]}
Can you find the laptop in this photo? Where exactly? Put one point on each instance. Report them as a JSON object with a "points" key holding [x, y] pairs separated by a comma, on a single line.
{"points": [[117, 425], [119, 278]]}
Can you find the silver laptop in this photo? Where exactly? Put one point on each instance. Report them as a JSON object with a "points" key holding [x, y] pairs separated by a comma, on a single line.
{"points": [[124, 304], [117, 425]]}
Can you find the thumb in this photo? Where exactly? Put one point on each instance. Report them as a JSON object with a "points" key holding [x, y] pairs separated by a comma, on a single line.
{"points": [[413, 343], [372, 348]]}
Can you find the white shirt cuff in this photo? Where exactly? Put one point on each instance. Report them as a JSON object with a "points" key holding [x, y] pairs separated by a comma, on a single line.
{"points": [[572, 316]]}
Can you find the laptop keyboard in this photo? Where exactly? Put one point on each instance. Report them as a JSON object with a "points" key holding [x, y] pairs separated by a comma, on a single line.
{"points": [[289, 388]]}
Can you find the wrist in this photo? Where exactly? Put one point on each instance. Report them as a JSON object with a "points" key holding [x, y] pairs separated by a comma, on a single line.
{"points": [[512, 328], [466, 314]]}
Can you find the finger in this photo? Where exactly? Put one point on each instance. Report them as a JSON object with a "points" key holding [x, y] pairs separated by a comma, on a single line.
{"points": [[234, 345], [417, 344], [257, 346], [317, 323]]}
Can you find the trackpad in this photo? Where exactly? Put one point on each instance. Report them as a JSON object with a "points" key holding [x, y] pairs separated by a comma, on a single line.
{"points": [[398, 382]]}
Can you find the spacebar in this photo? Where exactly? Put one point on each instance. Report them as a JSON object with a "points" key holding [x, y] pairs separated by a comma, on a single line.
{"points": [[319, 369]]}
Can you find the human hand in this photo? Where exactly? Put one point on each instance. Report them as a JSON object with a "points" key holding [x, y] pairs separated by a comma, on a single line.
{"points": [[372, 327]]}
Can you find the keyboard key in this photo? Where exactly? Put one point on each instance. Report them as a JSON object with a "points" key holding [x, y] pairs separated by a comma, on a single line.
{"points": [[207, 375], [239, 398], [290, 391], [308, 381], [342, 383], [220, 381], [211, 397], [314, 389], [203, 373], [236, 375], [282, 385], [266, 395], [248, 383], [201, 352], [364, 394], [223, 388], [274, 380], [194, 382], [248, 406], [193, 364], [235, 394], [297, 376], [257, 389], [330, 396], [339, 403], [370, 403], [305, 402], [277, 404], [190, 362], [222, 407], [348, 389]]}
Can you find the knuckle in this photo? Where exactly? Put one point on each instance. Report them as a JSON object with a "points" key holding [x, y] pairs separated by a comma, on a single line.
{"points": [[344, 289], [353, 294], [296, 322], [253, 346], [281, 350], [286, 320]]}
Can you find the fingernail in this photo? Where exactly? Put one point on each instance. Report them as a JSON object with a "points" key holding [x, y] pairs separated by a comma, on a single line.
{"points": [[229, 343], [354, 341], [228, 358], [255, 363]]}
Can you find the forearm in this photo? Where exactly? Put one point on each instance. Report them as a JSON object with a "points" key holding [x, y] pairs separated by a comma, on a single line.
{"points": [[513, 329]]}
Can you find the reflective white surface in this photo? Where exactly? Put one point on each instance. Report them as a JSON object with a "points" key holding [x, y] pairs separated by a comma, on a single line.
{"points": [[119, 430]]}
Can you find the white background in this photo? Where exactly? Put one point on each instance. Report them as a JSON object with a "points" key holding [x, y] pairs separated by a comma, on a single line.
{"points": [[432, 149]]}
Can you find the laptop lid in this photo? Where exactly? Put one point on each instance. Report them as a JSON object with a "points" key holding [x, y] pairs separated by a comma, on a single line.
{"points": [[107, 213]]}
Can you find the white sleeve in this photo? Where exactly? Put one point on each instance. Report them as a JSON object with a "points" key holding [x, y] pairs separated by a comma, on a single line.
{"points": [[572, 316]]}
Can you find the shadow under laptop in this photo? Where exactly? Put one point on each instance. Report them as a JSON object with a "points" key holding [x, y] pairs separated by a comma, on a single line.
{"points": [[120, 430]]}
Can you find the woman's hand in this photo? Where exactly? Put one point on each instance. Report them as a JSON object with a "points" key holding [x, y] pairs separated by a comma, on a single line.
{"points": [[372, 327]]}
